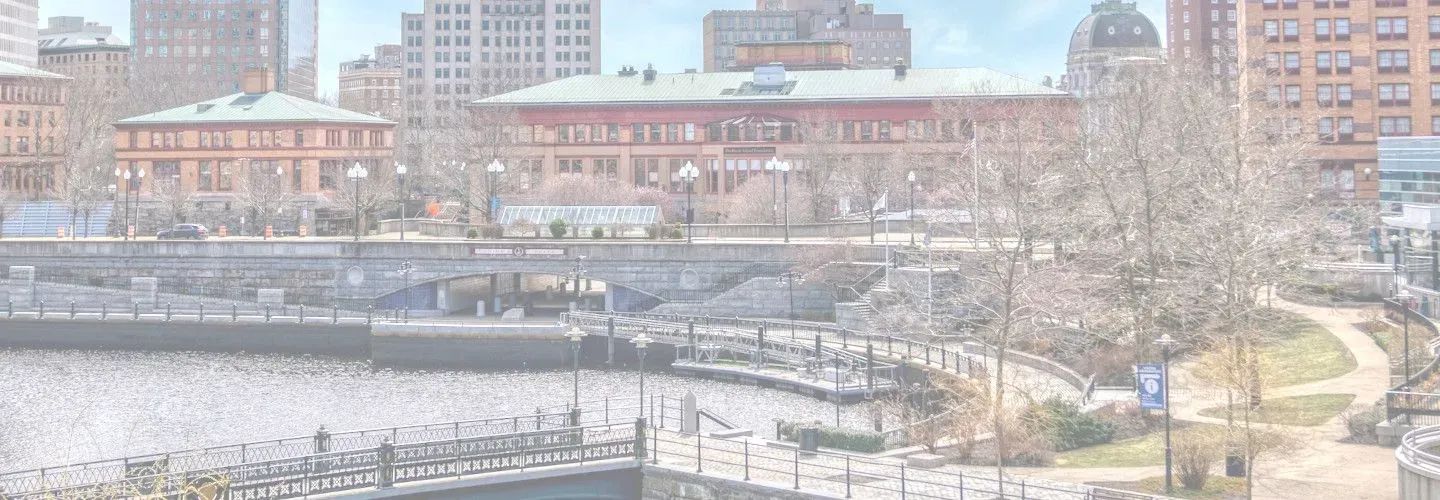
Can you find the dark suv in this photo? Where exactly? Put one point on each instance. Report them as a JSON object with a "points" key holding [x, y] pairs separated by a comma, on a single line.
{"points": [[184, 232]]}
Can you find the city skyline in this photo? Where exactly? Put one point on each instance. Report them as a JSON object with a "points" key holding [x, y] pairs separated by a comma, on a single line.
{"points": [[1030, 41]]}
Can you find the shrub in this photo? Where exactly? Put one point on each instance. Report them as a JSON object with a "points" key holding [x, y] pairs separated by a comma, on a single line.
{"points": [[652, 231], [837, 438], [471, 234], [558, 228], [1069, 428], [1194, 450], [677, 234], [597, 232], [1362, 422], [492, 232]]}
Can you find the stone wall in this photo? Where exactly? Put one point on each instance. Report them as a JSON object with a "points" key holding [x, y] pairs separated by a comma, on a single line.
{"points": [[763, 298], [661, 483], [323, 273], [212, 336]]}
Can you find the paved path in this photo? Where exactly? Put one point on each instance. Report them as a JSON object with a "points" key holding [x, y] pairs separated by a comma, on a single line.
{"points": [[1321, 466]]}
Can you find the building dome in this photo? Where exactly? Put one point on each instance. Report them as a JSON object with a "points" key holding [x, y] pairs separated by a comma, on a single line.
{"points": [[1114, 24]]}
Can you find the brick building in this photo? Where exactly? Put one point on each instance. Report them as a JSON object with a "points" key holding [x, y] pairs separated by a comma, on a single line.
{"points": [[372, 85], [641, 128], [1203, 34], [796, 55], [32, 116], [86, 51], [212, 148], [1352, 71], [876, 40]]}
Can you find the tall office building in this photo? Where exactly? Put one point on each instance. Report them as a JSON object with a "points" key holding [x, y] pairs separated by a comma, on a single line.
{"points": [[877, 40], [1345, 68], [371, 85], [210, 46], [19, 20], [1203, 35], [86, 51], [458, 51]]}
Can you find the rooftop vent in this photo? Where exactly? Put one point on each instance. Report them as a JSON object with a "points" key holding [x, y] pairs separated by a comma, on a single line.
{"points": [[650, 73], [201, 108], [770, 75], [628, 71], [900, 69]]}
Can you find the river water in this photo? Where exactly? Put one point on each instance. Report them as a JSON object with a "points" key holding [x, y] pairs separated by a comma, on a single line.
{"points": [[59, 407]]}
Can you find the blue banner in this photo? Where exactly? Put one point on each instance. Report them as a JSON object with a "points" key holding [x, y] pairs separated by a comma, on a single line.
{"points": [[1150, 384]]}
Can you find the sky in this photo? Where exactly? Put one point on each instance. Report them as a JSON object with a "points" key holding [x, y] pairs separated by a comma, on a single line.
{"points": [[1027, 38]]}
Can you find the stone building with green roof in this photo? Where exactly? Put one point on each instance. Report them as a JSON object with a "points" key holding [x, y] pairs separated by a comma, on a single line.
{"points": [[264, 156]]}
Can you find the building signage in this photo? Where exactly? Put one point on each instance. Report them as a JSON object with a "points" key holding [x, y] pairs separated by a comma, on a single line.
{"points": [[749, 151], [517, 252], [1150, 383]]}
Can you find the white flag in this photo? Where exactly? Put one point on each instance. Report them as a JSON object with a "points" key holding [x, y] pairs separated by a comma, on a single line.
{"points": [[883, 204]]}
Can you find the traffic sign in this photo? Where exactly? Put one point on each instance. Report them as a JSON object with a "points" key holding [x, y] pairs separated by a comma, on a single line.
{"points": [[1150, 384]]}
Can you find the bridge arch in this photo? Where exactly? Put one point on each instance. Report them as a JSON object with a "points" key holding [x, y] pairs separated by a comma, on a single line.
{"points": [[544, 293]]}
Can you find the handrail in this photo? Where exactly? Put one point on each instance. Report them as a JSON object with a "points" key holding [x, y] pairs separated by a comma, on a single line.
{"points": [[1393, 308], [1415, 446], [268, 448]]}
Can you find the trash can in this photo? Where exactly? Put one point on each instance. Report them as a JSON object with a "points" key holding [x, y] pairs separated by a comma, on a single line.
{"points": [[809, 438], [1234, 465]]}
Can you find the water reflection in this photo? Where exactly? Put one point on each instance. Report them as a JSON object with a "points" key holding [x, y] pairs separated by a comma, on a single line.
{"points": [[60, 407]]}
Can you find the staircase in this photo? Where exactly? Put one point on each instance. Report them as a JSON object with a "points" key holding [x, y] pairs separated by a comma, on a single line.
{"points": [[42, 218]]}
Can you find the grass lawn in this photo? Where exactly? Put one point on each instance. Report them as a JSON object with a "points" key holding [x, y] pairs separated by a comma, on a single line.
{"points": [[1138, 451], [1217, 488], [1309, 410], [1308, 354]]}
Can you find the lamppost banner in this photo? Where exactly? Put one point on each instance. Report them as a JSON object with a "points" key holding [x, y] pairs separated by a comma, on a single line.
{"points": [[1150, 384]]}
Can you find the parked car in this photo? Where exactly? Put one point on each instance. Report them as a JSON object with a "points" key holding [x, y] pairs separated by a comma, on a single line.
{"points": [[184, 232]]}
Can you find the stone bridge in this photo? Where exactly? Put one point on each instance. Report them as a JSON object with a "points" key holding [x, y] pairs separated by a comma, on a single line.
{"points": [[356, 274]]}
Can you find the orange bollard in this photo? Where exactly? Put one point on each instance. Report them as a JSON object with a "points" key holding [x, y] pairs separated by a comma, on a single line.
{"points": [[224, 231]]}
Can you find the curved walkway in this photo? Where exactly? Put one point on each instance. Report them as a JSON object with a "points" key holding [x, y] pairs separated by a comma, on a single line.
{"points": [[1321, 466]]}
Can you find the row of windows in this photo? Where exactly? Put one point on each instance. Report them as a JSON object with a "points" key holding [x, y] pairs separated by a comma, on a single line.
{"points": [[206, 34], [21, 145], [1340, 61], [22, 118], [513, 9], [220, 15], [1386, 28], [760, 131], [205, 51], [1342, 129], [255, 139]]}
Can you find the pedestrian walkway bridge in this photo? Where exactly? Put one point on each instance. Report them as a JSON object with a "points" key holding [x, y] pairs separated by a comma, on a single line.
{"points": [[613, 448]]}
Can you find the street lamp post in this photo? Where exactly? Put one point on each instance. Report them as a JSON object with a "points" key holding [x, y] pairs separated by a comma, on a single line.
{"points": [[356, 174], [576, 336], [773, 165], [911, 177], [1165, 343], [579, 270], [1397, 253], [400, 171], [405, 269], [494, 169], [689, 173], [787, 279], [641, 342], [125, 205], [1403, 298], [465, 177], [785, 181]]}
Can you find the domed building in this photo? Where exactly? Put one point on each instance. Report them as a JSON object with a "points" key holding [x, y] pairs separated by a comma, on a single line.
{"points": [[1113, 38]]}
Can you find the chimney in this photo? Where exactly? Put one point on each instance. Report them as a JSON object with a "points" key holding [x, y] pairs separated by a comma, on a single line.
{"points": [[900, 69], [650, 73], [628, 71], [258, 81]]}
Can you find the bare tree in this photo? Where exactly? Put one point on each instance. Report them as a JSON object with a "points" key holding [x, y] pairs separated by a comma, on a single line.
{"points": [[261, 195], [815, 181], [1021, 195], [174, 201], [751, 204], [368, 197], [868, 180]]}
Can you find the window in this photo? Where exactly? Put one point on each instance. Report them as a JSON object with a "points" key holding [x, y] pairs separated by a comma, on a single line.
{"points": [[1394, 61], [1325, 95], [1394, 126], [1342, 29], [1324, 63], [206, 179], [1345, 129], [1292, 63], [1394, 94], [1292, 30], [1392, 28], [1342, 62], [1344, 95], [1292, 96]]}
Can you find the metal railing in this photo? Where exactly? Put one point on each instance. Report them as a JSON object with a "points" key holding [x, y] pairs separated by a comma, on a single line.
{"points": [[596, 412], [860, 372], [853, 476], [959, 359], [196, 312], [384, 464], [1416, 449]]}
